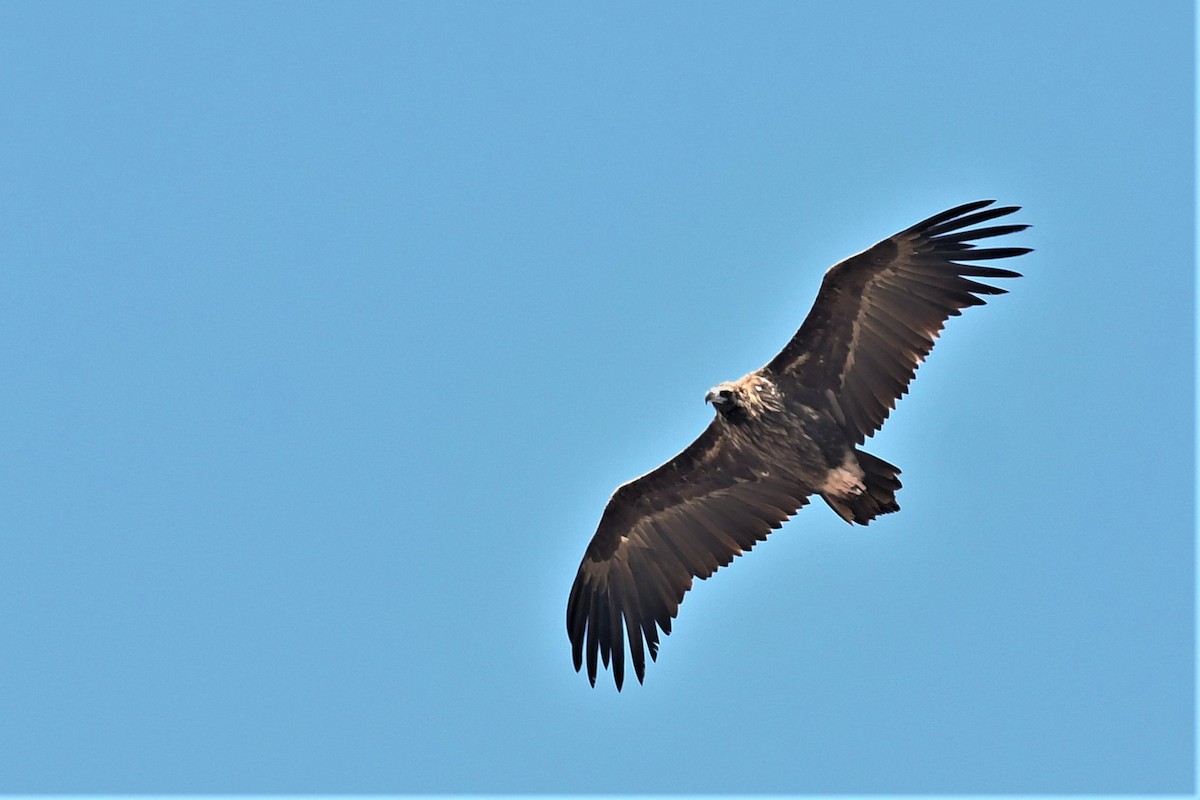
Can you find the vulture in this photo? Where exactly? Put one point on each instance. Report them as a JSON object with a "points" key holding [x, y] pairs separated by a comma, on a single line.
{"points": [[782, 434]]}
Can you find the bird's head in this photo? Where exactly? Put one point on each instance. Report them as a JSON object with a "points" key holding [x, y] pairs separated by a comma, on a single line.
{"points": [[745, 399], [724, 397]]}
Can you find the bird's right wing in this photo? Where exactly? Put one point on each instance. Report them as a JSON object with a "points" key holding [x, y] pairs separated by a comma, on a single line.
{"points": [[682, 521]]}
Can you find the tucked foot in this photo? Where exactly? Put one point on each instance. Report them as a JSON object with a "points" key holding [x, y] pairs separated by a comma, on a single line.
{"points": [[842, 482]]}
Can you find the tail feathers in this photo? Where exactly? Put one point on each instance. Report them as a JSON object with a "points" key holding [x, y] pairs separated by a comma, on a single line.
{"points": [[878, 497]]}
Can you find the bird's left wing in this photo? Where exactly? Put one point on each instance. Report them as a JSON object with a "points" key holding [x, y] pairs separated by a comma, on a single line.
{"points": [[879, 312], [682, 521]]}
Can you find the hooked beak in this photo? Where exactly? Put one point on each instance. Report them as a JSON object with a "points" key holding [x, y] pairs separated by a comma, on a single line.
{"points": [[711, 397]]}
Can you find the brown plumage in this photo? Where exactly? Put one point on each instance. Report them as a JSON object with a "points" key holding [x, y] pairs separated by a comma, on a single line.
{"points": [[781, 434]]}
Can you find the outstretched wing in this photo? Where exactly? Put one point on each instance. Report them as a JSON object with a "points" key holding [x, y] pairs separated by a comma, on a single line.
{"points": [[878, 313], [684, 520]]}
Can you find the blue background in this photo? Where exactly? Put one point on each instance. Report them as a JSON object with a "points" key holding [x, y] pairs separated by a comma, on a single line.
{"points": [[326, 331]]}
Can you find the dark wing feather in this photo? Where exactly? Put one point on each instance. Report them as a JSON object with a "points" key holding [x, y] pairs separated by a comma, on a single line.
{"points": [[684, 520], [878, 313]]}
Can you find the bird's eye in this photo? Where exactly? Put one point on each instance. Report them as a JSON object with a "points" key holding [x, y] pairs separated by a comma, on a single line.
{"points": [[726, 393]]}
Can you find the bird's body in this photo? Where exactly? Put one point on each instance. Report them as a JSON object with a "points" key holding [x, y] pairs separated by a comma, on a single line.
{"points": [[794, 429], [780, 435]]}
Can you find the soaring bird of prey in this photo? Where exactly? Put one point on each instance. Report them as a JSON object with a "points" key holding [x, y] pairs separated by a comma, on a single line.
{"points": [[782, 434]]}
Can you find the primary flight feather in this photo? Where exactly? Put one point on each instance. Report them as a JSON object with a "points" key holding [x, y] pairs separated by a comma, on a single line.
{"points": [[782, 434]]}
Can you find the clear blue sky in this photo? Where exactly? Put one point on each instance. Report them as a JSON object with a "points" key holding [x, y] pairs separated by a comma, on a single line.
{"points": [[328, 329]]}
